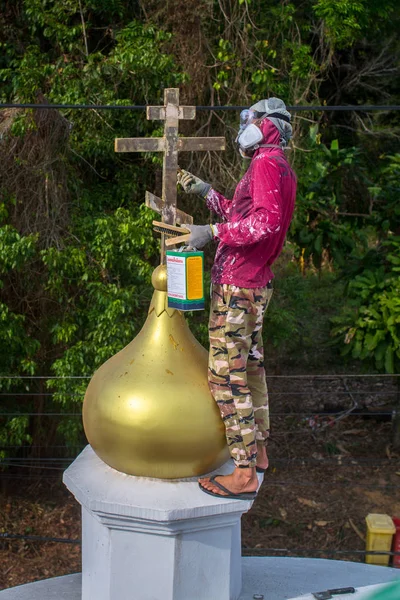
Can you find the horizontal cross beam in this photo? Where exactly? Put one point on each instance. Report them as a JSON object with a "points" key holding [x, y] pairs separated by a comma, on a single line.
{"points": [[161, 113], [139, 144], [201, 143], [158, 144]]}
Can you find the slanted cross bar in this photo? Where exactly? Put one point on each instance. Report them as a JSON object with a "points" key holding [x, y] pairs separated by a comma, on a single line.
{"points": [[170, 144]]}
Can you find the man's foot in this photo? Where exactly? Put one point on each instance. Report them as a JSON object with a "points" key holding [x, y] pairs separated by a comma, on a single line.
{"points": [[262, 458], [241, 481]]}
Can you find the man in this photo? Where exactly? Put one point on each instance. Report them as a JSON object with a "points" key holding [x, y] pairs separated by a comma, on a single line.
{"points": [[251, 236]]}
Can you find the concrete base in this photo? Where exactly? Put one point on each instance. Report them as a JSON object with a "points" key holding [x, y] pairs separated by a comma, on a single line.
{"points": [[274, 578], [162, 539], [364, 593]]}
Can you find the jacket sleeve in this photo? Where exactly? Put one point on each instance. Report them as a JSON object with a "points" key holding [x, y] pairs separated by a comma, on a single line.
{"points": [[218, 203], [266, 216]]}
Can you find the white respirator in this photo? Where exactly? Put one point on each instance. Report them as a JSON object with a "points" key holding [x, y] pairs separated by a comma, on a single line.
{"points": [[250, 137]]}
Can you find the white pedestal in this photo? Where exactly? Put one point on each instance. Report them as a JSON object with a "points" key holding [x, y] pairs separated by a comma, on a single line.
{"points": [[152, 539]]}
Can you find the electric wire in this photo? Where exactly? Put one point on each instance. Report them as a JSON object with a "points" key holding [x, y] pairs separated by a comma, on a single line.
{"points": [[250, 551], [280, 414], [142, 107], [300, 376], [246, 551], [333, 460], [37, 538]]}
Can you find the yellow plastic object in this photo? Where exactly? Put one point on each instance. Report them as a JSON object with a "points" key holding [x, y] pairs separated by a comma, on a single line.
{"points": [[380, 531]]}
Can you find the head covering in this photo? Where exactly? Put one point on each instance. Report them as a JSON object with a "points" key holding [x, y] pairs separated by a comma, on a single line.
{"points": [[274, 109], [272, 136]]}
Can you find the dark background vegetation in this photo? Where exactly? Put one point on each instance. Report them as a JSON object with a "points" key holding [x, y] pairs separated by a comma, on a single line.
{"points": [[76, 245]]}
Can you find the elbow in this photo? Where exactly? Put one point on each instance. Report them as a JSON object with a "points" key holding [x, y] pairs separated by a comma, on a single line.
{"points": [[269, 228]]}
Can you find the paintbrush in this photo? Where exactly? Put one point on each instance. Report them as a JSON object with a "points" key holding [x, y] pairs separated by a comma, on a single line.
{"points": [[175, 234]]}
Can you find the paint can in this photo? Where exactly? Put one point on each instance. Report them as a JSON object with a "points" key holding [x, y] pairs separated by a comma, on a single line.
{"points": [[185, 279]]}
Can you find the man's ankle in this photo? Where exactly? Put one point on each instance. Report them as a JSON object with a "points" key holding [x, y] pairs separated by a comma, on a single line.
{"points": [[245, 472]]}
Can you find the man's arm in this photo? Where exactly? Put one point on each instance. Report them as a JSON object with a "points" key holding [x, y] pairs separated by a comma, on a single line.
{"points": [[218, 204], [265, 219]]}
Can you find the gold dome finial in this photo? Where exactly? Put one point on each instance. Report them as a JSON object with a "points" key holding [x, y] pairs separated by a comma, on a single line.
{"points": [[148, 410], [159, 278]]}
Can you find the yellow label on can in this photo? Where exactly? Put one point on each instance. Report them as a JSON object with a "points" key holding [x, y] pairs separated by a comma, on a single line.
{"points": [[194, 277]]}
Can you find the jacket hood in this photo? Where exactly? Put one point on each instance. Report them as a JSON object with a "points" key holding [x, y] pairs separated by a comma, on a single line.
{"points": [[270, 132]]}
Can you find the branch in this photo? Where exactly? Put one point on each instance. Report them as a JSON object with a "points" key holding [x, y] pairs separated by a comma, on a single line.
{"points": [[84, 29]]}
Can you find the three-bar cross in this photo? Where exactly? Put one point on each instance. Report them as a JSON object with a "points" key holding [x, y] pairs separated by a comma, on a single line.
{"points": [[170, 144]]}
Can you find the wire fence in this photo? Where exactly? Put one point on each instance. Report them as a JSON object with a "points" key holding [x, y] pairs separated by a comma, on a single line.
{"points": [[245, 551]]}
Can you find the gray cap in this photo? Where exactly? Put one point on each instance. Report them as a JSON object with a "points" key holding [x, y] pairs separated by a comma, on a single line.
{"points": [[275, 106]]}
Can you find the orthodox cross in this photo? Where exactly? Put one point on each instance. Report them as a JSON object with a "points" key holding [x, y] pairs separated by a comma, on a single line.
{"points": [[170, 144]]}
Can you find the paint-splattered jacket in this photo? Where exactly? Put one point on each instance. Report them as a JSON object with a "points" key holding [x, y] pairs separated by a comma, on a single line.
{"points": [[256, 220]]}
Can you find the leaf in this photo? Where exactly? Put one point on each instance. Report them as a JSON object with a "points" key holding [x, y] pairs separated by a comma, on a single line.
{"points": [[322, 523], [389, 360], [335, 145], [283, 513], [309, 503], [354, 432]]}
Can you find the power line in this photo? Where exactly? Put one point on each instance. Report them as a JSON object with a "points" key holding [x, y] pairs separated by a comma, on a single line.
{"points": [[36, 459], [301, 376], [38, 538], [270, 393], [288, 484], [40, 446], [281, 414], [246, 551], [311, 484], [249, 551], [39, 394], [337, 460], [142, 107], [46, 376], [21, 414]]}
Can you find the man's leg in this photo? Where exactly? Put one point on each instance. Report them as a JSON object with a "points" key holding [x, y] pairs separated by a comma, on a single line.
{"points": [[257, 382], [233, 317]]}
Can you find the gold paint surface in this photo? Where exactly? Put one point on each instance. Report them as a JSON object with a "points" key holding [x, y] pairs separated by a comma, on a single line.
{"points": [[159, 278], [148, 410]]}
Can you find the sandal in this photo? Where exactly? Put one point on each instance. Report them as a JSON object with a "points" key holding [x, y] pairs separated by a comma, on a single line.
{"points": [[228, 494]]}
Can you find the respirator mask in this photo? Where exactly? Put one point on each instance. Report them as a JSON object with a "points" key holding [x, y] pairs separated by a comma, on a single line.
{"points": [[250, 135]]}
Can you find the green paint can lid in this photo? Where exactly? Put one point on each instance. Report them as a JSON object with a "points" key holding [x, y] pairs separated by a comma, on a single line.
{"points": [[389, 592]]}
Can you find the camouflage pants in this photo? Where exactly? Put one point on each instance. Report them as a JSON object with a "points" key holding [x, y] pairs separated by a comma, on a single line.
{"points": [[236, 372]]}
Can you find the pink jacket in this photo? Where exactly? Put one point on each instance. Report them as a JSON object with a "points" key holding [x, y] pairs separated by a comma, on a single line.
{"points": [[256, 220]]}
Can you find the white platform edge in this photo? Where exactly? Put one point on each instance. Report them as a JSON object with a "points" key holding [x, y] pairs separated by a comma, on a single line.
{"points": [[277, 578], [158, 500]]}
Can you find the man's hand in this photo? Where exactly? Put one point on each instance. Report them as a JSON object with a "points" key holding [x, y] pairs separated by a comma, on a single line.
{"points": [[200, 235], [192, 184]]}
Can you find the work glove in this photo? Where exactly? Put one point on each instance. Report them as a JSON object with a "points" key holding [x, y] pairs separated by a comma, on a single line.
{"points": [[200, 235], [192, 184]]}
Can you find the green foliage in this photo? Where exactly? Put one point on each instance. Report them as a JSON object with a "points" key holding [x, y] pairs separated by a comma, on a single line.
{"points": [[13, 432], [347, 20], [297, 322], [370, 326], [15, 250], [385, 193], [75, 291], [321, 226], [76, 257]]}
